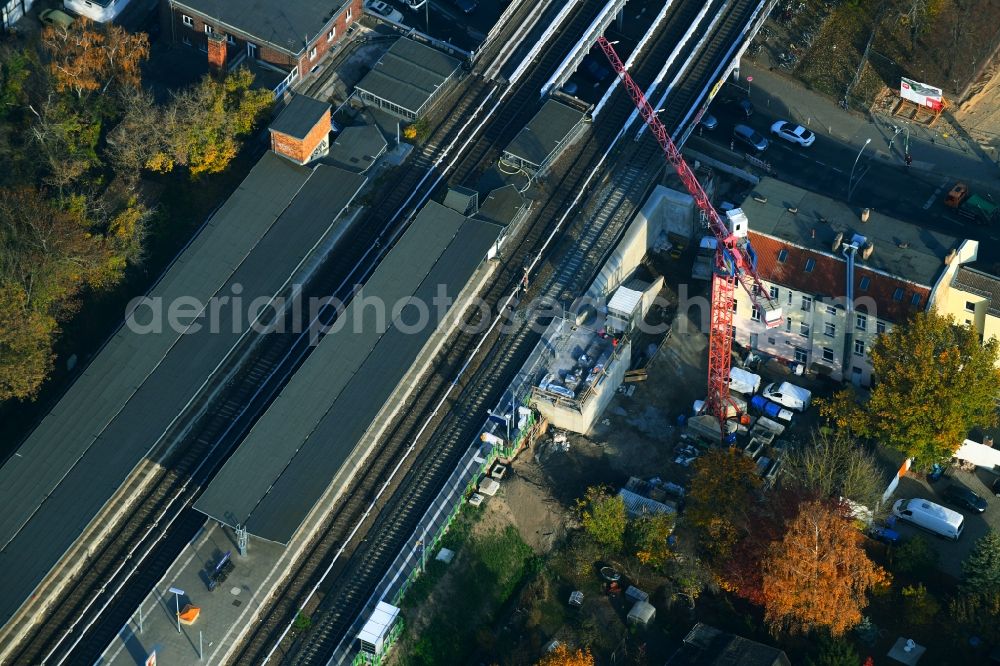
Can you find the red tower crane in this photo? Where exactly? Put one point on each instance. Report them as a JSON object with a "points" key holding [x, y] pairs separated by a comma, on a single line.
{"points": [[735, 261]]}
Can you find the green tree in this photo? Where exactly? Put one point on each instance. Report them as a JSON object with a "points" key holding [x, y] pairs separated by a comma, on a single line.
{"points": [[835, 465], [935, 383], [981, 569], [915, 557], [203, 124], [25, 345], [723, 489], [919, 606], [604, 518], [647, 538], [976, 615], [834, 652]]}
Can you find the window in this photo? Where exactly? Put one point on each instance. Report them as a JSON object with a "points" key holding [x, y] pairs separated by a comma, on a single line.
{"points": [[859, 347], [880, 327], [864, 283], [251, 50], [830, 329], [968, 322], [807, 303], [898, 294], [788, 324], [735, 306], [755, 313], [828, 354], [789, 296], [915, 301], [187, 20], [861, 322], [230, 39], [782, 255], [312, 53], [810, 265], [770, 341], [350, 13], [804, 329], [970, 306], [330, 36], [832, 311], [208, 29], [801, 355], [734, 332], [187, 40], [774, 293]]}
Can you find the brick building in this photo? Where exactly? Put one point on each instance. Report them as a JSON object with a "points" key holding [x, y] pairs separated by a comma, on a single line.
{"points": [[803, 242], [291, 35], [301, 132]]}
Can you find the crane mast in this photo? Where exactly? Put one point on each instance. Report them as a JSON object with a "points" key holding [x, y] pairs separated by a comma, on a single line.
{"points": [[735, 261]]}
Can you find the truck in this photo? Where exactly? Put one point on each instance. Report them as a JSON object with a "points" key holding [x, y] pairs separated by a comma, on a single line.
{"points": [[978, 209], [743, 381], [788, 395], [930, 516], [704, 261]]}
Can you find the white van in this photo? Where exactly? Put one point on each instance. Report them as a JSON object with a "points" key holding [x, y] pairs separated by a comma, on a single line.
{"points": [[788, 395], [932, 517]]}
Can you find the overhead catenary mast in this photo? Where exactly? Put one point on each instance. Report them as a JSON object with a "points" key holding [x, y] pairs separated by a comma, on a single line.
{"points": [[735, 260]]}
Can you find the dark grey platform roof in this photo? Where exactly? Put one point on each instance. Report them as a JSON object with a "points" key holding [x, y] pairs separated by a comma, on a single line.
{"points": [[543, 133], [502, 205], [119, 408], [357, 148], [295, 450], [409, 74], [299, 116], [287, 24]]}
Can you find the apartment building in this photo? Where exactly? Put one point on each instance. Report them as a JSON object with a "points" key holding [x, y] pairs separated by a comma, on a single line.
{"points": [[972, 298], [842, 276]]}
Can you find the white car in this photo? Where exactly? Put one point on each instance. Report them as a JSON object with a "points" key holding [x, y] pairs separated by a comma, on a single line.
{"points": [[382, 10], [793, 133]]}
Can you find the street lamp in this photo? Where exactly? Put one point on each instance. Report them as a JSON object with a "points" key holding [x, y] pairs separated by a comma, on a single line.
{"points": [[850, 181], [177, 592]]}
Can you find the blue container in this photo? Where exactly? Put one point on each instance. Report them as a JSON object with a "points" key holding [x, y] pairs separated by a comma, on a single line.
{"points": [[765, 406]]}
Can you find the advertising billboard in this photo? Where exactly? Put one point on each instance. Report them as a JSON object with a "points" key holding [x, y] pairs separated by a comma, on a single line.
{"points": [[921, 93]]}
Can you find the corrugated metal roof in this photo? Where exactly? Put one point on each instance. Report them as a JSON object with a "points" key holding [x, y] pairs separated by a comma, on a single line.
{"points": [[119, 408], [409, 74], [299, 116], [625, 300], [543, 133], [298, 447]]}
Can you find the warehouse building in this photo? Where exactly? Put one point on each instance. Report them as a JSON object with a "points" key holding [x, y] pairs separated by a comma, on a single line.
{"points": [[408, 79]]}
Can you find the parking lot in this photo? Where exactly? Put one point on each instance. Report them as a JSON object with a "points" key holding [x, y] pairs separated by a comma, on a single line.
{"points": [[976, 525]]}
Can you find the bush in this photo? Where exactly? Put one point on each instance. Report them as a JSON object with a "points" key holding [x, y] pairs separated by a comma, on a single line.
{"points": [[916, 557], [834, 652], [919, 606]]}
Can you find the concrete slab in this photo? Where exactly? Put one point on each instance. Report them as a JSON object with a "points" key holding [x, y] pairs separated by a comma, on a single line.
{"points": [[230, 605]]}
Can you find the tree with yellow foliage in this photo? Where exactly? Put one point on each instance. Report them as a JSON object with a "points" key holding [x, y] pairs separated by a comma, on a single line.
{"points": [[89, 57], [724, 485], [818, 575], [563, 656]]}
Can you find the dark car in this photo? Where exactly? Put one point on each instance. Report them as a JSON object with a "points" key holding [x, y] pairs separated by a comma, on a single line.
{"points": [[996, 486], [750, 138], [595, 68], [964, 498], [742, 106], [709, 122]]}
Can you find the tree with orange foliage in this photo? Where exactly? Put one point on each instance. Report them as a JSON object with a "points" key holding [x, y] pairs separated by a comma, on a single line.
{"points": [[89, 57], [563, 656], [818, 575]]}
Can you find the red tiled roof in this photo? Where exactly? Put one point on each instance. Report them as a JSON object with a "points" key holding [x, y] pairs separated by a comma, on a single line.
{"points": [[829, 278]]}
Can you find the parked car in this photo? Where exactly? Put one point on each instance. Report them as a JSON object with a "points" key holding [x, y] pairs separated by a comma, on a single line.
{"points": [[793, 133], [56, 18], [964, 498], [595, 68], [467, 6], [382, 10], [788, 395], [742, 106], [709, 122], [996, 486], [749, 137]]}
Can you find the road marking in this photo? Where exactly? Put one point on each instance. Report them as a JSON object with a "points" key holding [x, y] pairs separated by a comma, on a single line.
{"points": [[933, 197]]}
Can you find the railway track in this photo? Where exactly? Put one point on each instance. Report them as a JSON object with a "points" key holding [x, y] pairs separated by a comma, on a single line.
{"points": [[98, 603], [349, 583]]}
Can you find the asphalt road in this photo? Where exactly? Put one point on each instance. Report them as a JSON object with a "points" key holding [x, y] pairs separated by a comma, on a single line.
{"points": [[825, 167]]}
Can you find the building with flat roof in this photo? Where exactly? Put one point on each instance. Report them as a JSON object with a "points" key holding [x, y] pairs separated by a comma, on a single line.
{"points": [[407, 79], [303, 451], [292, 35], [358, 148], [301, 132], [116, 420], [553, 128], [806, 245]]}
